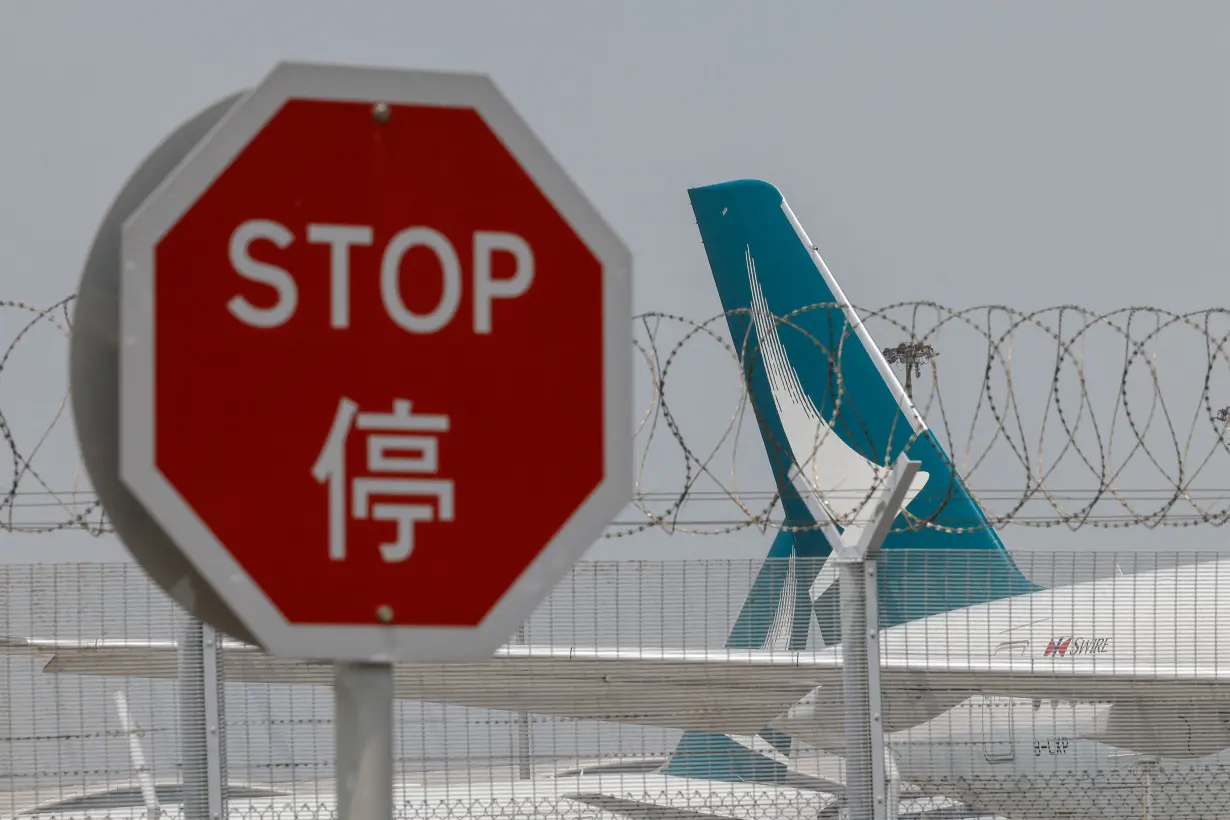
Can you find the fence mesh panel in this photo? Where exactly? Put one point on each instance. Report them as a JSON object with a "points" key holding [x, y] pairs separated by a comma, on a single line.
{"points": [[1103, 693]]}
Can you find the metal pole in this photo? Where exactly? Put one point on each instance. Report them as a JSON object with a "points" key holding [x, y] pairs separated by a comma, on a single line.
{"points": [[215, 720], [854, 685], [866, 770], [524, 770], [871, 622], [363, 694], [202, 732]]}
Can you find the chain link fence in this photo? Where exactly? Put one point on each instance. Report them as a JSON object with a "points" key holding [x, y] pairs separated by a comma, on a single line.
{"points": [[1104, 699]]}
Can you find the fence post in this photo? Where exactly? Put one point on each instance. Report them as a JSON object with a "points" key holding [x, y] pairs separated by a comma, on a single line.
{"points": [[525, 770], [858, 579], [202, 725], [363, 726], [875, 700], [859, 801]]}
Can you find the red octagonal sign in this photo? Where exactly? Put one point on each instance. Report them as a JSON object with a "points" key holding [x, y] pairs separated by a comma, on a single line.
{"points": [[375, 370]]}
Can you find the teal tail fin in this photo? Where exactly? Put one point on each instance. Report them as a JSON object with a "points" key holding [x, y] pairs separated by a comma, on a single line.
{"points": [[776, 615], [832, 414]]}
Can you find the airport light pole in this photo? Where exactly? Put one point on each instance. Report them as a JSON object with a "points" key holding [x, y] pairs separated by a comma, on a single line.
{"points": [[913, 355]]}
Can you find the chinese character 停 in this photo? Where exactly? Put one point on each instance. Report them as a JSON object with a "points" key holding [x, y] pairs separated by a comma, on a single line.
{"points": [[399, 444]]}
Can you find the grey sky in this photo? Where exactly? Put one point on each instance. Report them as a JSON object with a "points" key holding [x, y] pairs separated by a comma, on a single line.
{"points": [[1028, 154]]}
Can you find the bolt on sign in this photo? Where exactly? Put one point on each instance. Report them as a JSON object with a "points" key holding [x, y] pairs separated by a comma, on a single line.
{"points": [[373, 367]]}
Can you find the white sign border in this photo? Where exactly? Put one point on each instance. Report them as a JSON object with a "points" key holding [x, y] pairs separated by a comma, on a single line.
{"points": [[179, 192]]}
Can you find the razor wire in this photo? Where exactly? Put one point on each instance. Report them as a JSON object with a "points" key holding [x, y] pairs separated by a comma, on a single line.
{"points": [[1061, 416]]}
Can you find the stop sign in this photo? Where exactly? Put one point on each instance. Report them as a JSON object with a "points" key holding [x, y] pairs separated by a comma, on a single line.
{"points": [[375, 370]]}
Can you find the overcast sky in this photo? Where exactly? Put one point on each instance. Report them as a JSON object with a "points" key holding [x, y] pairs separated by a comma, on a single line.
{"points": [[1029, 154]]}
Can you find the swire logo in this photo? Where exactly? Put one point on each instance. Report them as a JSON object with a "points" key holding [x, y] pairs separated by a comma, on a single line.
{"points": [[1068, 645]]}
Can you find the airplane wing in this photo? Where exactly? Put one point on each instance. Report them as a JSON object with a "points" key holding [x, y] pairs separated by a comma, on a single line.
{"points": [[720, 690], [736, 693]]}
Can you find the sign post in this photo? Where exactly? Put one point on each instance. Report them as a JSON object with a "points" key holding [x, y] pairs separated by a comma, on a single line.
{"points": [[352, 376], [364, 733]]}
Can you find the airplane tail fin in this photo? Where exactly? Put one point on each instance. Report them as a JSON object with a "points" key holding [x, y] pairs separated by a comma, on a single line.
{"points": [[777, 615], [833, 419], [833, 416]]}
